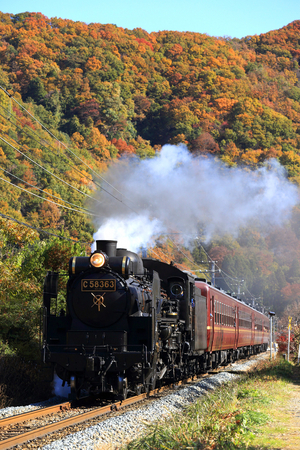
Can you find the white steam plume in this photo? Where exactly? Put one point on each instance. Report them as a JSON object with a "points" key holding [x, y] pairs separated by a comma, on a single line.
{"points": [[177, 191]]}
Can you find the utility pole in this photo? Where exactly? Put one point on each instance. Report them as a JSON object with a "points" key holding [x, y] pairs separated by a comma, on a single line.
{"points": [[213, 278], [289, 338], [239, 286], [271, 314], [254, 303], [212, 270]]}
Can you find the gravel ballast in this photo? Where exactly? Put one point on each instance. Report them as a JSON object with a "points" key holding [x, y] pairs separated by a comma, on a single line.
{"points": [[119, 430]]}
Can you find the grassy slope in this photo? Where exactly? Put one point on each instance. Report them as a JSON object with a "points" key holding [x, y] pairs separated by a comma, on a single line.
{"points": [[260, 411]]}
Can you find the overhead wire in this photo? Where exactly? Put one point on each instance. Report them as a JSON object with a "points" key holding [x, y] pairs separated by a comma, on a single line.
{"points": [[40, 139], [55, 176], [71, 164], [83, 162], [154, 252], [60, 142], [212, 261], [194, 262], [85, 210], [74, 167], [224, 274], [43, 168], [47, 200], [40, 230]]}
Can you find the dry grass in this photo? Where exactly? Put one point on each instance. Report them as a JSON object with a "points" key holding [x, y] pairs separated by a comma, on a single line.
{"points": [[258, 412]]}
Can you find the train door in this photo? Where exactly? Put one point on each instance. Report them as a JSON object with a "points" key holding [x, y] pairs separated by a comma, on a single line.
{"points": [[222, 324], [217, 344], [219, 333], [252, 329], [199, 316], [211, 323], [236, 325]]}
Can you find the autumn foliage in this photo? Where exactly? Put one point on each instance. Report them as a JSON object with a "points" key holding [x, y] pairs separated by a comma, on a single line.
{"points": [[235, 98], [105, 93]]}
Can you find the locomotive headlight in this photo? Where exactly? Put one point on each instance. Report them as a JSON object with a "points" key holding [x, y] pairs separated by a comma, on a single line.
{"points": [[98, 260]]}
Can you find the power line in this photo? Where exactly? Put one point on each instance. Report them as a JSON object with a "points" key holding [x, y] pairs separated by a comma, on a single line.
{"points": [[194, 262], [47, 200], [41, 190], [43, 168], [67, 148], [76, 156], [73, 187], [224, 274], [52, 174], [41, 139], [56, 152], [40, 230], [153, 251], [211, 260]]}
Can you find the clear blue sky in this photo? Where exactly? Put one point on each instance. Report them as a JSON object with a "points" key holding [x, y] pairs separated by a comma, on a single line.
{"points": [[234, 18]]}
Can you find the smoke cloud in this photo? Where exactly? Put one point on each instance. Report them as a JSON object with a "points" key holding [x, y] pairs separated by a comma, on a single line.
{"points": [[58, 389], [178, 192]]}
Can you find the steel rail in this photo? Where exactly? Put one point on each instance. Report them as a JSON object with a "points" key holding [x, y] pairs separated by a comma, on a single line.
{"points": [[44, 430], [34, 414], [47, 429]]}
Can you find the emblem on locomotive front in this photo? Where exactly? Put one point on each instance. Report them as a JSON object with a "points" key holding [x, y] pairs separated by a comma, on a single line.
{"points": [[98, 301]]}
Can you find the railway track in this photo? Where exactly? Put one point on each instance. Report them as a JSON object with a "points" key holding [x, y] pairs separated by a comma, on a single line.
{"points": [[14, 429], [19, 429]]}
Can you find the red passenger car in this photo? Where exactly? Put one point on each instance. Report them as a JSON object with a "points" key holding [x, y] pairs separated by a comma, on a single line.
{"points": [[234, 329]]}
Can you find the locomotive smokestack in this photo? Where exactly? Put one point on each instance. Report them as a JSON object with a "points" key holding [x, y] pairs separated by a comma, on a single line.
{"points": [[108, 247]]}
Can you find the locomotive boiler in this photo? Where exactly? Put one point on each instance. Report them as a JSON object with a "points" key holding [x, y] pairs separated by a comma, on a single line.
{"points": [[130, 324]]}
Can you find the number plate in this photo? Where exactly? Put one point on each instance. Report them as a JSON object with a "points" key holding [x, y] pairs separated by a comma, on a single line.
{"points": [[98, 285]]}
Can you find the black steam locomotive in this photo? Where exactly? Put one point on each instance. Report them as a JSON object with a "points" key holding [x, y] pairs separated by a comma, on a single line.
{"points": [[131, 324]]}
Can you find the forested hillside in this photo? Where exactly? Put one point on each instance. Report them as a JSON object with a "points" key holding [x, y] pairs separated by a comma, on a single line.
{"points": [[236, 98], [75, 97]]}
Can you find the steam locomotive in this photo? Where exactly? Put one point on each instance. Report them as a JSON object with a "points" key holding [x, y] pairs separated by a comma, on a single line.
{"points": [[131, 324]]}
